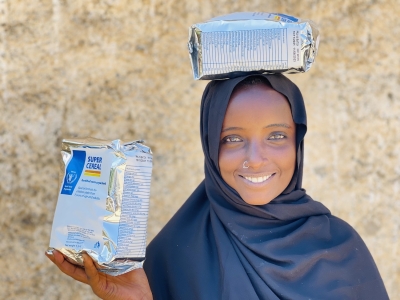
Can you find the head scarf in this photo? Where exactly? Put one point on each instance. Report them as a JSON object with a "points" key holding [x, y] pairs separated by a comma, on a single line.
{"points": [[219, 247]]}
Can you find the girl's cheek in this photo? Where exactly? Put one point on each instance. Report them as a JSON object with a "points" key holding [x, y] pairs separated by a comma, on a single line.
{"points": [[231, 156], [229, 159]]}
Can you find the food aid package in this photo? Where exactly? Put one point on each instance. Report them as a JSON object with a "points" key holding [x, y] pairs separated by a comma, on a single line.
{"points": [[103, 204], [241, 43]]}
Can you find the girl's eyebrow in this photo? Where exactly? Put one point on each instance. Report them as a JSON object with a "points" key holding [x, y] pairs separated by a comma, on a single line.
{"points": [[270, 125], [278, 125], [231, 128]]}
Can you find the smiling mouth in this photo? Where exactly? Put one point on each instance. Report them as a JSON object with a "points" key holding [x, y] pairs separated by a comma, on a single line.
{"points": [[258, 179]]}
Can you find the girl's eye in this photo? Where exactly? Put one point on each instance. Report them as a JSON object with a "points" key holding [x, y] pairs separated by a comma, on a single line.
{"points": [[231, 139], [277, 136]]}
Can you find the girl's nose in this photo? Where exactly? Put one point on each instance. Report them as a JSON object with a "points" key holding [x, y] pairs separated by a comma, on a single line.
{"points": [[256, 155]]}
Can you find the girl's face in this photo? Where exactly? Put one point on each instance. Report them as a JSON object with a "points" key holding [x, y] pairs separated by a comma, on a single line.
{"points": [[258, 128]]}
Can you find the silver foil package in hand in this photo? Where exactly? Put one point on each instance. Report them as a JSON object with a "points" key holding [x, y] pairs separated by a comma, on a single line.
{"points": [[103, 204], [242, 43]]}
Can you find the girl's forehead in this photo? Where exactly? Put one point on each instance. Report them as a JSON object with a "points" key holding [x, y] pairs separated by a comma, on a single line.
{"points": [[256, 97], [257, 107]]}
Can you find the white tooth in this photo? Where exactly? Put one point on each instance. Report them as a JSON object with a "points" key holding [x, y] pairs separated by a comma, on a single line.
{"points": [[257, 179]]}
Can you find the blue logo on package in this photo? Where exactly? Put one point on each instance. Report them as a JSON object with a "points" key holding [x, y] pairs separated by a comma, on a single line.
{"points": [[73, 171], [287, 18]]}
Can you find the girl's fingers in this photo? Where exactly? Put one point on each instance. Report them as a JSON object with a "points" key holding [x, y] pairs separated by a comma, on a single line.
{"points": [[125, 286], [95, 280], [50, 256], [75, 272], [91, 271]]}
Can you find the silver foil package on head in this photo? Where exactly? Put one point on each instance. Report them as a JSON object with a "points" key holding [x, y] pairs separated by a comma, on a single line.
{"points": [[242, 43], [103, 203]]}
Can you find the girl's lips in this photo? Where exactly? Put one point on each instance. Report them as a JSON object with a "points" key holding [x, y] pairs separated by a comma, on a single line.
{"points": [[257, 179]]}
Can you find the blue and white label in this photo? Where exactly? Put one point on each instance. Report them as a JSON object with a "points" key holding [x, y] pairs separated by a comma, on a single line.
{"points": [[73, 171], [82, 200]]}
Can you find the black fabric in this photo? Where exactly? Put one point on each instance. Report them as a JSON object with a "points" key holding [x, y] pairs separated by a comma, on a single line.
{"points": [[219, 247]]}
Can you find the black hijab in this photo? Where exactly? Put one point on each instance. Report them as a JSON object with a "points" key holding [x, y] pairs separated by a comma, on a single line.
{"points": [[219, 247]]}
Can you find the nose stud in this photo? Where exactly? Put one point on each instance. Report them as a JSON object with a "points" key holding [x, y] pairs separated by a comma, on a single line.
{"points": [[245, 165]]}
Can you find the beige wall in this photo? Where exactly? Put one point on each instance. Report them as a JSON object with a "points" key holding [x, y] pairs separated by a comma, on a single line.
{"points": [[120, 69]]}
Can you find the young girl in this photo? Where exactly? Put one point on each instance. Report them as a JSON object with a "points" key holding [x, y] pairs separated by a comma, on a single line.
{"points": [[249, 231]]}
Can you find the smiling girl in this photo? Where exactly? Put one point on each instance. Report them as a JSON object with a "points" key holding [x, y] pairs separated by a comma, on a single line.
{"points": [[249, 231]]}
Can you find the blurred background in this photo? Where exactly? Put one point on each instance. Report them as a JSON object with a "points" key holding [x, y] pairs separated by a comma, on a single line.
{"points": [[120, 69]]}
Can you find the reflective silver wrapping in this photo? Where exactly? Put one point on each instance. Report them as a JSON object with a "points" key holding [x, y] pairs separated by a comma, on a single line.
{"points": [[103, 203], [243, 43]]}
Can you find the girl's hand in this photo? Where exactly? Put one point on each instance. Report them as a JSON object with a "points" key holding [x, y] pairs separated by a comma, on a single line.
{"points": [[132, 285]]}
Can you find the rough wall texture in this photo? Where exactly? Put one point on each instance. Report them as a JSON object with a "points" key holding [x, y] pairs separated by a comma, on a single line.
{"points": [[120, 69]]}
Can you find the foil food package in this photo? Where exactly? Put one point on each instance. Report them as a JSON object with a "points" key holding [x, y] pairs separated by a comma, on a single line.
{"points": [[103, 204], [242, 43]]}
